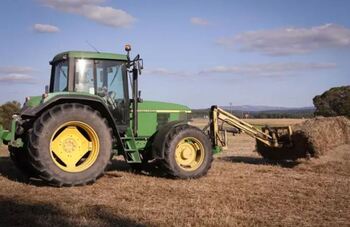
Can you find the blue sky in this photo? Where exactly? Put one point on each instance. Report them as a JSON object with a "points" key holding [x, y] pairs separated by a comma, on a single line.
{"points": [[199, 53]]}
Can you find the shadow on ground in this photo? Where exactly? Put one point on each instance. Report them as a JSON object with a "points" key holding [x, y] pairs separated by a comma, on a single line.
{"points": [[151, 169], [9, 170], [20, 213], [259, 161]]}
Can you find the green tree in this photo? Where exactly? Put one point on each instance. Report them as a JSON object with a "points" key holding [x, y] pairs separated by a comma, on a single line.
{"points": [[334, 102], [6, 112]]}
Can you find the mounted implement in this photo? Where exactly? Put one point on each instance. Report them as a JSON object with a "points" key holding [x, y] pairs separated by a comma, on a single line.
{"points": [[68, 135], [223, 122]]}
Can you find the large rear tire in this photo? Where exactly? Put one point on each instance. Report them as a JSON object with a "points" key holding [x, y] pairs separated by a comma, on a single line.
{"points": [[70, 144], [188, 153]]}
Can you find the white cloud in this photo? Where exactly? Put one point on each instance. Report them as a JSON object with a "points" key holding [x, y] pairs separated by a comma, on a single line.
{"points": [[288, 41], [199, 21], [158, 71], [17, 78], [16, 74], [260, 70], [271, 69], [92, 10], [45, 28], [16, 70], [165, 72]]}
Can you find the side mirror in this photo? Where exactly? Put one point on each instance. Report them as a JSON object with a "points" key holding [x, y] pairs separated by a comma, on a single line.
{"points": [[139, 99], [140, 65]]}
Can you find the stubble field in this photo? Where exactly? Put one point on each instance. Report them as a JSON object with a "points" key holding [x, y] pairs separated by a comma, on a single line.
{"points": [[241, 189]]}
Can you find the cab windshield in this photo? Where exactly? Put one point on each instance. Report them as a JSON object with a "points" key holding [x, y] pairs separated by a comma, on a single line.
{"points": [[97, 77]]}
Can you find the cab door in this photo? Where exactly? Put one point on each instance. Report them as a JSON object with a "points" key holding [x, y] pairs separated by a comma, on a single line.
{"points": [[107, 79], [112, 86]]}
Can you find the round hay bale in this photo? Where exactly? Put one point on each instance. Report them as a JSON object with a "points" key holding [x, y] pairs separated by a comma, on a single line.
{"points": [[313, 137]]}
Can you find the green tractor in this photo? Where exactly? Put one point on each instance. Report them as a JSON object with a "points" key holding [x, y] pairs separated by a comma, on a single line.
{"points": [[69, 135]]}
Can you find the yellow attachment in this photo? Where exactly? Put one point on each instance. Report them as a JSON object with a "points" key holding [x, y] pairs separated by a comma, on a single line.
{"points": [[189, 154], [270, 136], [74, 146]]}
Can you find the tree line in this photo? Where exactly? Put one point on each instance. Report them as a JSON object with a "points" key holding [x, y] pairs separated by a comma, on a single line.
{"points": [[6, 112]]}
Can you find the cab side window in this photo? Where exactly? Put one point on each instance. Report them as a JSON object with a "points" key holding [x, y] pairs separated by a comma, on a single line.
{"points": [[110, 80], [60, 79]]}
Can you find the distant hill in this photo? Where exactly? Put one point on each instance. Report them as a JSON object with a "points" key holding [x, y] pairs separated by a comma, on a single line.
{"points": [[262, 111]]}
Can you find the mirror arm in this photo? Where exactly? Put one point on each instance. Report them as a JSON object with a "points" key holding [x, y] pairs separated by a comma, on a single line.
{"points": [[135, 100]]}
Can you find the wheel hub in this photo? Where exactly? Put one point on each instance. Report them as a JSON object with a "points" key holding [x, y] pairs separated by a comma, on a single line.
{"points": [[69, 145], [189, 154], [74, 147]]}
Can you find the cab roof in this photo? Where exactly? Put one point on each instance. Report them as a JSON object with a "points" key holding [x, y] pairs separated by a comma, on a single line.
{"points": [[89, 54]]}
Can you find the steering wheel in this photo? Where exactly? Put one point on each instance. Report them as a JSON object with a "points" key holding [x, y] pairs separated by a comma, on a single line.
{"points": [[102, 91], [112, 94], [111, 99]]}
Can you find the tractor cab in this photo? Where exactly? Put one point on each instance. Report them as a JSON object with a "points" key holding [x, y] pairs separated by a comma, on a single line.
{"points": [[95, 74]]}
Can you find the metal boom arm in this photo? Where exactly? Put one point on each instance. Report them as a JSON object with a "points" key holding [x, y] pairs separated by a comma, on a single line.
{"points": [[268, 135]]}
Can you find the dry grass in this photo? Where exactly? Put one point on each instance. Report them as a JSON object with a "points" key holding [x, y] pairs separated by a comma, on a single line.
{"points": [[323, 134], [241, 189]]}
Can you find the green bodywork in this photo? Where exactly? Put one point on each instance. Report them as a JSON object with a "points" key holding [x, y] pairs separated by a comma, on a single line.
{"points": [[8, 136], [34, 101], [152, 115]]}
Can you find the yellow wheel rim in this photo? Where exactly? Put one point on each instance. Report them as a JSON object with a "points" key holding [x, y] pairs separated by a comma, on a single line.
{"points": [[189, 154], [74, 146]]}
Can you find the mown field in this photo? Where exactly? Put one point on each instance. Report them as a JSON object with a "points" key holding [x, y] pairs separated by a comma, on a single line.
{"points": [[241, 189]]}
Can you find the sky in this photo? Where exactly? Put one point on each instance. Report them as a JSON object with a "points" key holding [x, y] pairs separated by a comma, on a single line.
{"points": [[197, 53]]}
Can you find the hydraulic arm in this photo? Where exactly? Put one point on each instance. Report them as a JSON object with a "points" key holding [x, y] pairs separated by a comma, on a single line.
{"points": [[222, 122]]}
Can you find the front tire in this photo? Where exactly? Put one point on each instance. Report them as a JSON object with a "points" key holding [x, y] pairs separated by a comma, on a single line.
{"points": [[70, 144], [188, 153]]}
